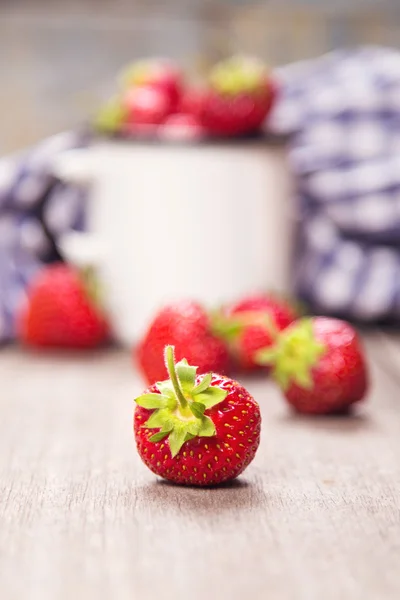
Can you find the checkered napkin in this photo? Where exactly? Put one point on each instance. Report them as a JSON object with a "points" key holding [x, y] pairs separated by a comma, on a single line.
{"points": [[342, 113], [35, 209]]}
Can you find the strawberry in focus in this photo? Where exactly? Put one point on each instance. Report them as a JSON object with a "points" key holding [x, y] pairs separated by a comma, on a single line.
{"points": [[238, 99], [186, 326], [62, 310], [319, 364], [252, 324], [196, 430]]}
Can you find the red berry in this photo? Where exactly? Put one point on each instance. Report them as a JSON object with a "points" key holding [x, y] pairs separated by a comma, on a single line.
{"points": [[280, 309], [196, 430], [249, 342], [185, 325], [146, 105], [320, 365], [225, 116], [251, 324], [192, 100], [239, 98], [60, 311], [161, 75]]}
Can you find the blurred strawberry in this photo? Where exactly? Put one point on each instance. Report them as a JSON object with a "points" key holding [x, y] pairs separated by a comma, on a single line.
{"points": [[186, 326], [63, 310], [280, 309], [160, 74], [252, 324], [319, 364], [192, 100], [239, 97], [146, 105]]}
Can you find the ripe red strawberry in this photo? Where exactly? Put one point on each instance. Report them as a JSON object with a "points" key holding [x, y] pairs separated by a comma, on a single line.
{"points": [[146, 105], [191, 101], [239, 98], [161, 75], [251, 324], [62, 311], [185, 325], [196, 430], [319, 364]]}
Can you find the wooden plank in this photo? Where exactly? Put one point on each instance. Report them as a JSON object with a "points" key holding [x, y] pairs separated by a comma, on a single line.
{"points": [[315, 516]]}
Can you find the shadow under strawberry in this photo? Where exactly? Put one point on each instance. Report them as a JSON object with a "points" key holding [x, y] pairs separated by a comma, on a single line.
{"points": [[210, 501]]}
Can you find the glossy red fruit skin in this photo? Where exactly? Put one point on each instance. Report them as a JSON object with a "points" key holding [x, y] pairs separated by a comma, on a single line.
{"points": [[146, 105], [252, 339], [205, 461], [282, 311], [59, 312], [242, 114], [255, 337], [184, 325], [191, 101], [168, 79], [341, 375]]}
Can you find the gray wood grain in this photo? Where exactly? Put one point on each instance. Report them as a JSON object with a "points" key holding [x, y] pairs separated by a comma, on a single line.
{"points": [[317, 515]]}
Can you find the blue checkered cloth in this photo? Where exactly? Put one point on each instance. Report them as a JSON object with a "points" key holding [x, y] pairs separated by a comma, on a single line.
{"points": [[342, 113], [35, 209]]}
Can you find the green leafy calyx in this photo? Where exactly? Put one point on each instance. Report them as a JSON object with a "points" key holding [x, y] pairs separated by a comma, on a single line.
{"points": [[238, 75], [230, 327], [139, 73], [295, 353], [179, 407], [110, 117]]}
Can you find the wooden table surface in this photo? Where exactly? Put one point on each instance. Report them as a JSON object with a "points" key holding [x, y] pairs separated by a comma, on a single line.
{"points": [[316, 515]]}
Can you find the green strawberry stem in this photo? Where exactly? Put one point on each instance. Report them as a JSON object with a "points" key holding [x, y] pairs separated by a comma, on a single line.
{"points": [[179, 405], [170, 364]]}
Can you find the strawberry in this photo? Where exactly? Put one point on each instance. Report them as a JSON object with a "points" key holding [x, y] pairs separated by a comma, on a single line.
{"points": [[161, 75], [238, 99], [191, 100], [196, 430], [62, 310], [185, 325], [250, 325], [146, 105], [319, 364]]}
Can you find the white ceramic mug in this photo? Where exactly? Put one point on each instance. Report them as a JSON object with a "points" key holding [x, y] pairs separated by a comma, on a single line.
{"points": [[208, 222]]}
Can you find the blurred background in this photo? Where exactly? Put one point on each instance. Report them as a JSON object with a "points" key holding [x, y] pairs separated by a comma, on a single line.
{"points": [[336, 117], [57, 57]]}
